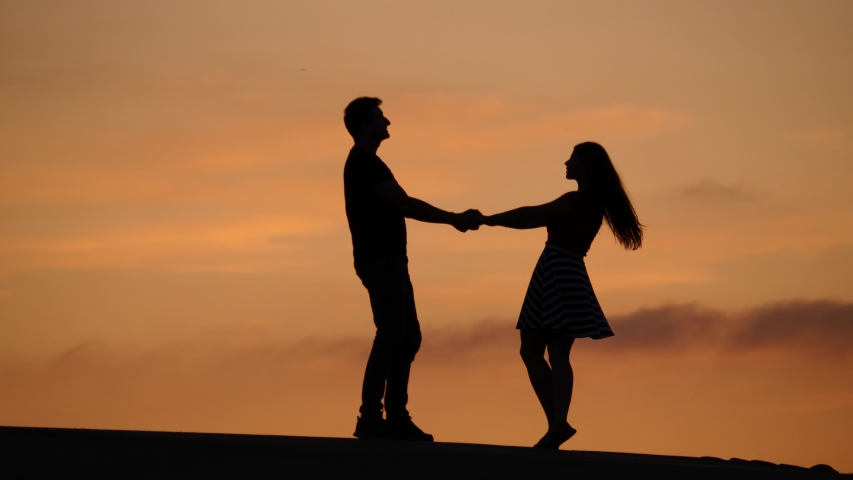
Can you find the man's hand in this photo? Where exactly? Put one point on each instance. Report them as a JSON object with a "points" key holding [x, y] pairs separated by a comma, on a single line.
{"points": [[468, 220]]}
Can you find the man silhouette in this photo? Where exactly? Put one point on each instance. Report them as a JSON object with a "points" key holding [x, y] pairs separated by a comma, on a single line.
{"points": [[377, 207]]}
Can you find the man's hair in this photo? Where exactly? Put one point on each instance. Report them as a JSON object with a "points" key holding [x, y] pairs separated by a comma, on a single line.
{"points": [[359, 111]]}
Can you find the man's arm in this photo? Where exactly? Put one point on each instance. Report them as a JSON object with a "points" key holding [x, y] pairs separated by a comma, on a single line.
{"points": [[416, 209]]}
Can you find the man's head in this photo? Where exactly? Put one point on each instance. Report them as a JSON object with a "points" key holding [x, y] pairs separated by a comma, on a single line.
{"points": [[365, 121]]}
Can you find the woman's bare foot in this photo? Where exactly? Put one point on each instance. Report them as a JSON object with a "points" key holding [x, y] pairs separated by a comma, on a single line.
{"points": [[556, 436], [544, 440]]}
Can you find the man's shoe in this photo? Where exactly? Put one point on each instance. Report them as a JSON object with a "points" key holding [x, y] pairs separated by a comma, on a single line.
{"points": [[405, 429], [369, 428]]}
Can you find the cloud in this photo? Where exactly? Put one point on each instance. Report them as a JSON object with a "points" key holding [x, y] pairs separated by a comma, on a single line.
{"points": [[814, 328], [819, 329], [487, 340], [666, 328], [713, 191], [824, 327]]}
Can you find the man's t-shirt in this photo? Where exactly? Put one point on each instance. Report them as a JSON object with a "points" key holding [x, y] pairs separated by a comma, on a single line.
{"points": [[378, 229]]}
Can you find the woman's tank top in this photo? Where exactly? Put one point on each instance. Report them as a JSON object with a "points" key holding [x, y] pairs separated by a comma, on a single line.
{"points": [[576, 230]]}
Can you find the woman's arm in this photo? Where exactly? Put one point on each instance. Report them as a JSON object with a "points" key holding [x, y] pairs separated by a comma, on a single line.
{"points": [[530, 217], [521, 218]]}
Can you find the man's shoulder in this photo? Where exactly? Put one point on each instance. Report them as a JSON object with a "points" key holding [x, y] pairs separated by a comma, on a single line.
{"points": [[361, 162], [358, 159]]}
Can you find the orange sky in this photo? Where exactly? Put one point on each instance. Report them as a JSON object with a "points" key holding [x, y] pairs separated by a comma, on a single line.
{"points": [[170, 174]]}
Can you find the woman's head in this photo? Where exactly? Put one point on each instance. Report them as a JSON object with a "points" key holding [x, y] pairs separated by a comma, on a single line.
{"points": [[590, 165]]}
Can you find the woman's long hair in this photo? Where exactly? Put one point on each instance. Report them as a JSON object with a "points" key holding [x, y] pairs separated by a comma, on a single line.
{"points": [[618, 211]]}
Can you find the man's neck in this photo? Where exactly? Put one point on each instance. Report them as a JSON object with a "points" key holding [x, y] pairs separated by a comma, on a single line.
{"points": [[369, 146]]}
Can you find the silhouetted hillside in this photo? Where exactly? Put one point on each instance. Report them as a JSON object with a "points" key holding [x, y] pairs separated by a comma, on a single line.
{"points": [[47, 452]]}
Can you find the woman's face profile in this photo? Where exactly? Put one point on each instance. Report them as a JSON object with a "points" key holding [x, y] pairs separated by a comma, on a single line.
{"points": [[574, 167]]}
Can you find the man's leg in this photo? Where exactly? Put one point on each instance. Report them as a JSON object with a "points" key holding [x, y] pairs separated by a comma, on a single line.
{"points": [[373, 387], [397, 334], [408, 335], [398, 338], [407, 343], [378, 280], [386, 303]]}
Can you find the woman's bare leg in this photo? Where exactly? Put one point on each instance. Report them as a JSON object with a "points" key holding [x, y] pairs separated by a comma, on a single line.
{"points": [[562, 379], [533, 353]]}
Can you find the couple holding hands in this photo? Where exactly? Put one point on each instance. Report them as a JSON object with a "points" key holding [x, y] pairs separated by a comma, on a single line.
{"points": [[560, 304]]}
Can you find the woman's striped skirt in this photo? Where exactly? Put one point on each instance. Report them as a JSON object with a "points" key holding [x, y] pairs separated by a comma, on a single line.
{"points": [[560, 298]]}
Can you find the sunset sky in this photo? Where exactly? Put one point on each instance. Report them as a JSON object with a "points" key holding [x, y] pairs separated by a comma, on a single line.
{"points": [[174, 252]]}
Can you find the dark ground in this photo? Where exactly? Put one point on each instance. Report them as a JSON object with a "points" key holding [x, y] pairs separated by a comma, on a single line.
{"points": [[53, 452]]}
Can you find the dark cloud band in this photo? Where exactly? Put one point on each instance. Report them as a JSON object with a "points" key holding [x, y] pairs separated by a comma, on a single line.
{"points": [[816, 328]]}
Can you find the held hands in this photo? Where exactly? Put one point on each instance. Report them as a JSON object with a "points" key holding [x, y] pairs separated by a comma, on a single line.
{"points": [[468, 220], [520, 218]]}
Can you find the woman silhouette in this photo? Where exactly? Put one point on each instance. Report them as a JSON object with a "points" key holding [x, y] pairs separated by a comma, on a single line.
{"points": [[560, 304]]}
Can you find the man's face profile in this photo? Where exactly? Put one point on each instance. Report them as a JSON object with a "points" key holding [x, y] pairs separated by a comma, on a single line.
{"points": [[377, 127]]}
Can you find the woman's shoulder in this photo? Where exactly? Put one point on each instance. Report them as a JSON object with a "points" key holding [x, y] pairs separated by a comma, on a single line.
{"points": [[584, 196], [583, 201], [575, 197], [571, 204]]}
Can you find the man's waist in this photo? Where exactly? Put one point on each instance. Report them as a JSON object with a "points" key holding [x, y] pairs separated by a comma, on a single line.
{"points": [[367, 263], [380, 245], [379, 256]]}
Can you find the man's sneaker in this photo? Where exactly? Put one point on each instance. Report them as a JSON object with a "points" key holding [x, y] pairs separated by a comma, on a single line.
{"points": [[403, 428], [368, 428]]}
